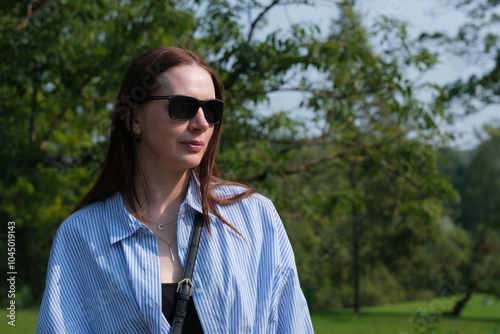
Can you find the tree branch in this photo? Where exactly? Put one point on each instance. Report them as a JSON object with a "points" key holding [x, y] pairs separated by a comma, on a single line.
{"points": [[259, 17], [32, 136], [47, 139], [341, 154]]}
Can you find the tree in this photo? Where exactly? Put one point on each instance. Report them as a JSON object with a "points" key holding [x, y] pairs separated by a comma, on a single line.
{"points": [[481, 215], [65, 61], [366, 110], [475, 42], [60, 70], [367, 178], [370, 109]]}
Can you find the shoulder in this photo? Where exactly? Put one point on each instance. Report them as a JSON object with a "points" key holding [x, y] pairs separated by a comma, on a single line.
{"points": [[84, 216], [88, 222], [254, 201], [257, 219], [254, 215]]}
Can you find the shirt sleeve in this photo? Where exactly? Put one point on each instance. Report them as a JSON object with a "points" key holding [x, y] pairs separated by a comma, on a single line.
{"points": [[62, 309], [293, 312]]}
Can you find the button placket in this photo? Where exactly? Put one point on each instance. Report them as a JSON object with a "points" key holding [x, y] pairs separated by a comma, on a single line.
{"points": [[183, 232], [153, 304]]}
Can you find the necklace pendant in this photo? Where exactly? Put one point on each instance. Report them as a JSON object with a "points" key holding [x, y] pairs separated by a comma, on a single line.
{"points": [[161, 227], [171, 253]]}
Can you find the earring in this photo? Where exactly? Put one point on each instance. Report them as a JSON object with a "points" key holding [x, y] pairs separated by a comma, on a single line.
{"points": [[138, 139]]}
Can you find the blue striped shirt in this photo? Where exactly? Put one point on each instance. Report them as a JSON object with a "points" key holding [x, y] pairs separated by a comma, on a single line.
{"points": [[104, 271]]}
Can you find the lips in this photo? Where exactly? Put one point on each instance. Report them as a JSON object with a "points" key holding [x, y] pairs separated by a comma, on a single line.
{"points": [[194, 145], [194, 142]]}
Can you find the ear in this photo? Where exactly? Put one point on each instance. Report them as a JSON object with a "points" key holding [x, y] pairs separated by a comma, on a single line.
{"points": [[132, 122]]}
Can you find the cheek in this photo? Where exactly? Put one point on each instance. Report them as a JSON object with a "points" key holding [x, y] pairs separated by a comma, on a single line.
{"points": [[211, 134], [209, 139], [166, 129]]}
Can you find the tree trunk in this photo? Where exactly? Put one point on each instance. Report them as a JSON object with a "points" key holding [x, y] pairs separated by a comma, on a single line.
{"points": [[472, 285], [355, 243], [461, 303]]}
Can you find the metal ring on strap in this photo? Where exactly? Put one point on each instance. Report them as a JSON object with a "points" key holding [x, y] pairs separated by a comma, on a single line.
{"points": [[188, 282]]}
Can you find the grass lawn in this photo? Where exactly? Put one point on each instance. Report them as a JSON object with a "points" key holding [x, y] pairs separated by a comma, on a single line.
{"points": [[401, 318], [25, 322], [386, 319]]}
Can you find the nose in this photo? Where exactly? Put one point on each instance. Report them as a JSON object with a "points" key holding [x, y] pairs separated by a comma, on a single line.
{"points": [[199, 122]]}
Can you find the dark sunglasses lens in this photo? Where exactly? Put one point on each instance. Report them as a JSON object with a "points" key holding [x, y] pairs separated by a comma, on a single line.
{"points": [[213, 111], [183, 108]]}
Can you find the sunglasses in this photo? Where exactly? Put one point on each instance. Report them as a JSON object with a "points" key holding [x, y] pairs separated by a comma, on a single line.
{"points": [[184, 108]]}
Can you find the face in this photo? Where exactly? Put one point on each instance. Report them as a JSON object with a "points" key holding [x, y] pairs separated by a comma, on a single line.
{"points": [[167, 144]]}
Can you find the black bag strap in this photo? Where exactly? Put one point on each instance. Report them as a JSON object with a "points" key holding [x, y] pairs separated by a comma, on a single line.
{"points": [[185, 287]]}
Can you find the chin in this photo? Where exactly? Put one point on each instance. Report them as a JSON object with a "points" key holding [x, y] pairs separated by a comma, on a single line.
{"points": [[191, 164]]}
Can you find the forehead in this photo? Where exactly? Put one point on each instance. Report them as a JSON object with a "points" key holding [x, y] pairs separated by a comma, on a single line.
{"points": [[189, 80]]}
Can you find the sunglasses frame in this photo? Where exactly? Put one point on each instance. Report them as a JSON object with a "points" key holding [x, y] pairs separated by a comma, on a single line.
{"points": [[201, 103]]}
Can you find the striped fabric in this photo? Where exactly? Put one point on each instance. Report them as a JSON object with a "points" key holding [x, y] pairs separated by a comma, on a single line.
{"points": [[104, 271]]}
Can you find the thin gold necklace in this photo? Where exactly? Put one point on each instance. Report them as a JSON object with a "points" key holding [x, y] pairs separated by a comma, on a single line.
{"points": [[169, 246], [161, 227]]}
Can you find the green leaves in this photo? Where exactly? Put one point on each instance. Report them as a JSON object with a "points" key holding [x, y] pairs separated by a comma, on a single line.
{"points": [[476, 41], [355, 148], [482, 186]]}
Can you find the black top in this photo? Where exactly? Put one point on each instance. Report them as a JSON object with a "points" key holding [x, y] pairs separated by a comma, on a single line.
{"points": [[192, 323]]}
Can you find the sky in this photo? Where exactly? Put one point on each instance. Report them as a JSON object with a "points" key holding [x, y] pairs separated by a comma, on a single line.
{"points": [[422, 15]]}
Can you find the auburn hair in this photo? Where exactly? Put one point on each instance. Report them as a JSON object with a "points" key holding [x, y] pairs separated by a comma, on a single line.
{"points": [[120, 166]]}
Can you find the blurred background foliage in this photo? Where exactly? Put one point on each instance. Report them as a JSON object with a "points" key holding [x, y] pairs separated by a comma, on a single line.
{"points": [[377, 208]]}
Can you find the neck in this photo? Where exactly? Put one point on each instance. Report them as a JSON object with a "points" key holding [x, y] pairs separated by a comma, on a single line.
{"points": [[160, 195]]}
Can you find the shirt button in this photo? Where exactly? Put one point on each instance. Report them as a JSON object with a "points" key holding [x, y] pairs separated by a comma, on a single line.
{"points": [[153, 304], [199, 291], [184, 245]]}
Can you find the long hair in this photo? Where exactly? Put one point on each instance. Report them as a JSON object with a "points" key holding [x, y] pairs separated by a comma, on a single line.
{"points": [[120, 166]]}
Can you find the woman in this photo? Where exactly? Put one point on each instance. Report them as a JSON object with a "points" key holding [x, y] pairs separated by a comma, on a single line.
{"points": [[116, 260]]}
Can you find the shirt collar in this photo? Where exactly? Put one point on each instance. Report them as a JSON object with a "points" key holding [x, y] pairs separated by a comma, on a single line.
{"points": [[125, 224], [193, 196]]}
